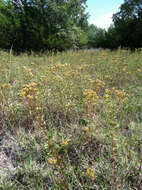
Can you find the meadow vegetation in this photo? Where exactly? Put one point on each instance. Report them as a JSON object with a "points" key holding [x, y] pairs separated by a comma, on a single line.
{"points": [[77, 118]]}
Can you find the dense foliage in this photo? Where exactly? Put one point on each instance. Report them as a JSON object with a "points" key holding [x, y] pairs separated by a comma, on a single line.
{"points": [[59, 25], [128, 24], [96, 36], [46, 24]]}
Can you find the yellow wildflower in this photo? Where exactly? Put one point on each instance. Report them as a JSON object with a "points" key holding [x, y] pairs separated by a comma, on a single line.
{"points": [[6, 85], [125, 100], [90, 173], [38, 108], [106, 96], [29, 97], [85, 129], [68, 105], [52, 161], [120, 93], [64, 142], [91, 81], [38, 93], [100, 83], [107, 91], [90, 96]]}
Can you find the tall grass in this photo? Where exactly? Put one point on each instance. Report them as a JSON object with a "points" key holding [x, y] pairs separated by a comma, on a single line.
{"points": [[77, 117]]}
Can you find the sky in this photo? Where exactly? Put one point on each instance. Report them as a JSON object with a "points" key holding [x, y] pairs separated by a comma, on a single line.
{"points": [[101, 11]]}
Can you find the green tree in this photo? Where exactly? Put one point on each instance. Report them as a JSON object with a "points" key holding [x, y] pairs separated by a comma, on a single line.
{"points": [[7, 26], [96, 36], [43, 24], [128, 24], [112, 39]]}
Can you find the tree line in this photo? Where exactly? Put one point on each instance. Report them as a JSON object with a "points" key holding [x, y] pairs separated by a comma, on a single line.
{"points": [[57, 25]]}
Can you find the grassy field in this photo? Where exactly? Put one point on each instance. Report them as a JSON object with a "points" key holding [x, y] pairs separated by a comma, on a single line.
{"points": [[76, 117]]}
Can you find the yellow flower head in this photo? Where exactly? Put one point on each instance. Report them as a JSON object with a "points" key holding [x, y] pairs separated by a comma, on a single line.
{"points": [[107, 91], [90, 96], [106, 96], [29, 97], [85, 129], [38, 108], [90, 173], [52, 161], [64, 142], [6, 85], [38, 93]]}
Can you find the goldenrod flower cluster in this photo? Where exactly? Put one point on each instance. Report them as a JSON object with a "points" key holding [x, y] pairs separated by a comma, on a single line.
{"points": [[90, 96], [29, 92], [29, 74], [99, 83], [52, 161], [125, 100], [6, 85], [85, 129], [108, 92], [38, 108], [69, 105], [64, 142], [92, 82], [90, 173], [120, 93], [58, 66], [115, 93], [106, 96]]}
